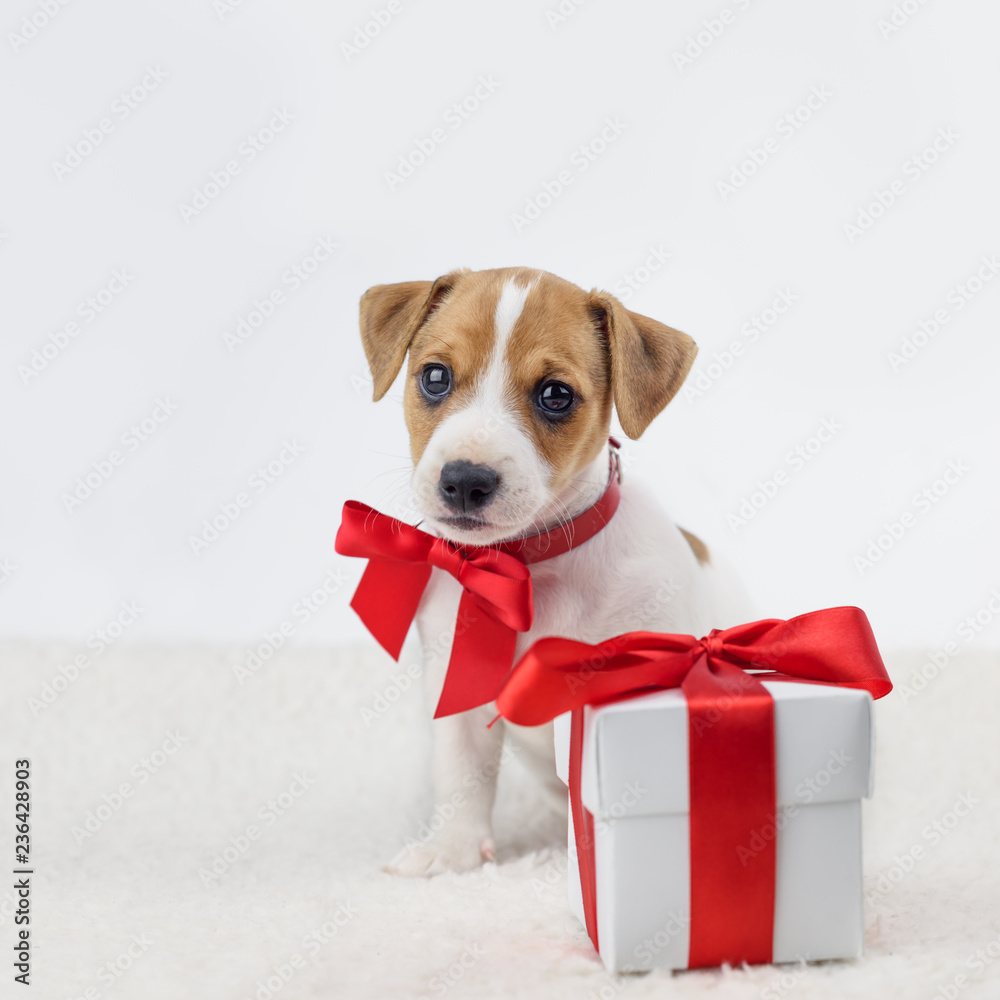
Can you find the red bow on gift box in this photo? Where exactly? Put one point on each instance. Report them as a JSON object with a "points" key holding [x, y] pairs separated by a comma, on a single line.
{"points": [[730, 745]]}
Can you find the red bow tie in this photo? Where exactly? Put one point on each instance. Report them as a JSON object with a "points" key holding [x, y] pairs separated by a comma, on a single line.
{"points": [[496, 599]]}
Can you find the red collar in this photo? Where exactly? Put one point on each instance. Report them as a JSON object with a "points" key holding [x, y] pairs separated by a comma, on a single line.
{"points": [[583, 527]]}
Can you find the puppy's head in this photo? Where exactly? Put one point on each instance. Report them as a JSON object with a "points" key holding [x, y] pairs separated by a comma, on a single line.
{"points": [[510, 382]]}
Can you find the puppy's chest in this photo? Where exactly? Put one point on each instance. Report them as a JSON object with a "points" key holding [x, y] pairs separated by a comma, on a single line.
{"points": [[570, 597]]}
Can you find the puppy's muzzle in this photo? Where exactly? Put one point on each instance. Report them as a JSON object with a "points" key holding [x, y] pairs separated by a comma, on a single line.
{"points": [[466, 487]]}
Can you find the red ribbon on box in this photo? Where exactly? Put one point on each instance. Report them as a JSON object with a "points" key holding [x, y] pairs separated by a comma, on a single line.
{"points": [[731, 757]]}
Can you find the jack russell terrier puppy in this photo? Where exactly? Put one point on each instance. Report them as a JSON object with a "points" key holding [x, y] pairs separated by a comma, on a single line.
{"points": [[511, 378]]}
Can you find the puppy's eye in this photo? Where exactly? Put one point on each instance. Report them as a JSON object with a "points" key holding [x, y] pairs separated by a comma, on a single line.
{"points": [[435, 382], [555, 398]]}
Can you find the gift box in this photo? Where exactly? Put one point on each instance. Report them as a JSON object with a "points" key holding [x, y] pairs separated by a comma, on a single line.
{"points": [[634, 783], [717, 819]]}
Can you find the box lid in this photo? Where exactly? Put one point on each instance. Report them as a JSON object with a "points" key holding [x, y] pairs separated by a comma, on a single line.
{"points": [[635, 760]]}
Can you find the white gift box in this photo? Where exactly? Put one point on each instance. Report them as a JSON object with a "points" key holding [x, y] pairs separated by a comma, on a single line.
{"points": [[634, 780]]}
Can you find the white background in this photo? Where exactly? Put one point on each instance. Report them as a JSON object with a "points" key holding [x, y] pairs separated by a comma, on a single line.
{"points": [[301, 374]]}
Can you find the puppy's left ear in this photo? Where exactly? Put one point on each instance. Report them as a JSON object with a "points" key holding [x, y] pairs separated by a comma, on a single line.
{"points": [[649, 361], [390, 316]]}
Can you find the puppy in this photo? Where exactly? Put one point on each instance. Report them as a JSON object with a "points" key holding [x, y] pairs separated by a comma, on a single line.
{"points": [[511, 375]]}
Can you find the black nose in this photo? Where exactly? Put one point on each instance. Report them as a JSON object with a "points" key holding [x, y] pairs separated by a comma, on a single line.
{"points": [[464, 486]]}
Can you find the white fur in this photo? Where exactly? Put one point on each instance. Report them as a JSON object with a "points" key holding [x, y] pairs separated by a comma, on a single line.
{"points": [[510, 305], [489, 431], [638, 573]]}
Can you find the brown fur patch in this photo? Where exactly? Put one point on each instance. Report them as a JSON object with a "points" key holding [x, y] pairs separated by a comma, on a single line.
{"points": [[554, 337], [698, 547], [389, 316], [587, 340], [458, 334], [649, 362]]}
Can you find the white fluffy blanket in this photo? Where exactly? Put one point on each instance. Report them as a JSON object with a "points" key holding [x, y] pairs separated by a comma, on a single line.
{"points": [[153, 763]]}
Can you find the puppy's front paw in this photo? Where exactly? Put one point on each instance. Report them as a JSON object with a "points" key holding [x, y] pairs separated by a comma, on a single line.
{"points": [[445, 852]]}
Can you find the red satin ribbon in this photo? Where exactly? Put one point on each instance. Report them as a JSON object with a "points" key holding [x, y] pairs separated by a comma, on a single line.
{"points": [[496, 600], [730, 743]]}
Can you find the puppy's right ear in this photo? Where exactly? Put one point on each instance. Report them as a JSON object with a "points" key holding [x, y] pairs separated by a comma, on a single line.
{"points": [[390, 317]]}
